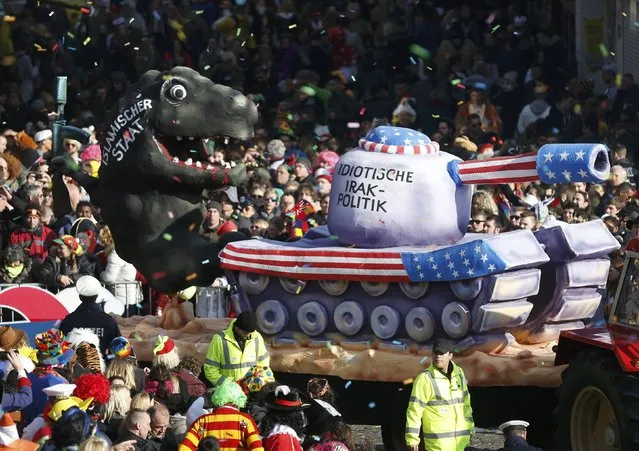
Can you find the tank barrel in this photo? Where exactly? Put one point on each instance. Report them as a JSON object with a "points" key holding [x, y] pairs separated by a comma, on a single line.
{"points": [[553, 163]]}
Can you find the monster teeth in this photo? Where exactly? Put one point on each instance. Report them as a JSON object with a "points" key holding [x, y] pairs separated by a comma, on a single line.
{"points": [[198, 164], [188, 162], [176, 160]]}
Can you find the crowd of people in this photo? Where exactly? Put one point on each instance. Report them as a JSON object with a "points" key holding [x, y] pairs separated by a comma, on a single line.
{"points": [[481, 78]]}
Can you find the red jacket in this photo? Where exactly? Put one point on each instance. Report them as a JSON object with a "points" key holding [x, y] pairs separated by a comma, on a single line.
{"points": [[35, 243], [282, 438]]}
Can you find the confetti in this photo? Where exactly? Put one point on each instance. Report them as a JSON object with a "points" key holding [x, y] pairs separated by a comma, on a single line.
{"points": [[371, 405], [353, 78], [348, 384], [55, 47], [192, 227], [237, 33], [71, 49], [623, 13], [412, 60], [85, 10], [419, 51], [455, 82], [206, 262], [491, 18], [408, 381], [207, 67], [495, 28], [199, 11], [603, 49], [159, 275], [126, 44], [362, 111], [51, 13], [435, 116], [397, 342], [167, 236], [177, 179], [71, 35], [424, 360], [171, 215], [292, 26], [191, 276]]}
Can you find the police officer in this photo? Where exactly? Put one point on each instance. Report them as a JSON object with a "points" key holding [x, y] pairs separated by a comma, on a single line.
{"points": [[515, 432], [89, 315], [440, 404], [235, 350]]}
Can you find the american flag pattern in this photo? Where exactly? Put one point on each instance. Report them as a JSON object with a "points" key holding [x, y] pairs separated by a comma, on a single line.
{"points": [[554, 163], [398, 141], [326, 259]]}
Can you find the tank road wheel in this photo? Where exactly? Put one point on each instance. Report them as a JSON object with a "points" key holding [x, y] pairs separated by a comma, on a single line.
{"points": [[598, 405]]}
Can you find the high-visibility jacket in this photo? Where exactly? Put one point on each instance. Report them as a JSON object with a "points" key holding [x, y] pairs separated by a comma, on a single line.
{"points": [[441, 407], [225, 358]]}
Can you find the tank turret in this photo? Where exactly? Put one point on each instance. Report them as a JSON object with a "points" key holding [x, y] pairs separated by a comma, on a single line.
{"points": [[399, 189]]}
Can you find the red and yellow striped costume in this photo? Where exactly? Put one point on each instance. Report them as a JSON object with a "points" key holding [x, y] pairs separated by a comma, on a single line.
{"points": [[233, 429]]}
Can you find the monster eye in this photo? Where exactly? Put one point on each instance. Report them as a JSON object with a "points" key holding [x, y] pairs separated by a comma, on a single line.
{"points": [[176, 93]]}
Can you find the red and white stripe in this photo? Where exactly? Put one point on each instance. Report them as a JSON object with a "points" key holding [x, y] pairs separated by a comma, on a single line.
{"points": [[492, 171], [428, 149], [314, 264]]}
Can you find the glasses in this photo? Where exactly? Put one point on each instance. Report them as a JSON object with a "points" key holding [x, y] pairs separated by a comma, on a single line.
{"points": [[68, 144], [515, 217], [259, 196], [477, 221], [271, 199]]}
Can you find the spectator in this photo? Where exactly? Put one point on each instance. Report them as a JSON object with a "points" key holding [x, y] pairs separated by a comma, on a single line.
{"points": [[65, 265], [137, 426], [15, 266], [34, 237]]}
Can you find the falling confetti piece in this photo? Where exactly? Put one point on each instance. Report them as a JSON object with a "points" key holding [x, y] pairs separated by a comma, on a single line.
{"points": [[191, 276], [491, 18], [435, 116], [298, 290], [419, 51], [171, 215], [412, 60], [292, 26], [397, 342], [362, 111], [192, 227], [408, 381], [206, 262], [623, 13], [126, 44], [495, 28], [71, 35], [51, 13], [455, 82], [72, 49], [353, 78], [424, 360], [167, 236], [603, 50], [137, 336], [177, 179], [237, 33], [55, 47], [371, 405], [207, 67], [348, 384], [84, 10], [159, 274], [199, 11]]}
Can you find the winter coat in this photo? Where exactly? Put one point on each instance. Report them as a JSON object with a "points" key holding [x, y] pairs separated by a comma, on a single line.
{"points": [[118, 277], [20, 399], [54, 267], [282, 438], [36, 242], [140, 444], [90, 316]]}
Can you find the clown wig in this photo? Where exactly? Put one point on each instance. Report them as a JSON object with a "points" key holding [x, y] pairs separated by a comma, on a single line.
{"points": [[94, 386], [229, 393], [165, 353]]}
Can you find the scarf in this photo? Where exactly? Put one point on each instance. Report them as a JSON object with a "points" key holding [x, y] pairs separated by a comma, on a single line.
{"points": [[14, 271]]}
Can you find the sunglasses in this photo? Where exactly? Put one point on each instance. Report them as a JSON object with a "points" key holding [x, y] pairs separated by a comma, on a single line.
{"points": [[271, 199], [477, 221], [515, 217]]}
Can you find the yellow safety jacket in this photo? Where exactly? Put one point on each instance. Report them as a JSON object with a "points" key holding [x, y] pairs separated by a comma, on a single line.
{"points": [[225, 358], [441, 407]]}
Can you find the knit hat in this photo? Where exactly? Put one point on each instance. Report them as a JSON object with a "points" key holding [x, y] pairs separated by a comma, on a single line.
{"points": [[69, 241], [326, 177], [81, 335], [246, 321], [53, 349], [228, 226], [306, 162], [32, 210], [93, 386], [163, 345], [9, 437], [328, 157], [275, 149], [257, 377], [120, 348], [212, 204], [92, 152]]}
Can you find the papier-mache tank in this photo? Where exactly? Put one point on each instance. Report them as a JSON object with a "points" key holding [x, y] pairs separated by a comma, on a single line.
{"points": [[394, 268]]}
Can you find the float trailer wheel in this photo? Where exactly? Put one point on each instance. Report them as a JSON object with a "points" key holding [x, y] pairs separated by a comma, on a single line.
{"points": [[598, 405]]}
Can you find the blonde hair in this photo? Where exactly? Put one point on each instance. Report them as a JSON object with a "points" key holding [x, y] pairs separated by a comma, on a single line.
{"points": [[485, 202], [141, 401], [123, 369], [169, 360], [119, 402], [94, 444]]}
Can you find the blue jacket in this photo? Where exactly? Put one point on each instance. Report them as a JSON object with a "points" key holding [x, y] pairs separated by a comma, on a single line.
{"points": [[21, 399], [40, 379]]}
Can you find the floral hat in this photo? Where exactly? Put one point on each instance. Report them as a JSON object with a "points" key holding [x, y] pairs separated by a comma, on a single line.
{"points": [[257, 377]]}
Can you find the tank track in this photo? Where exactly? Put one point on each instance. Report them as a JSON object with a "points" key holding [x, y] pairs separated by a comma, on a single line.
{"points": [[487, 313]]}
